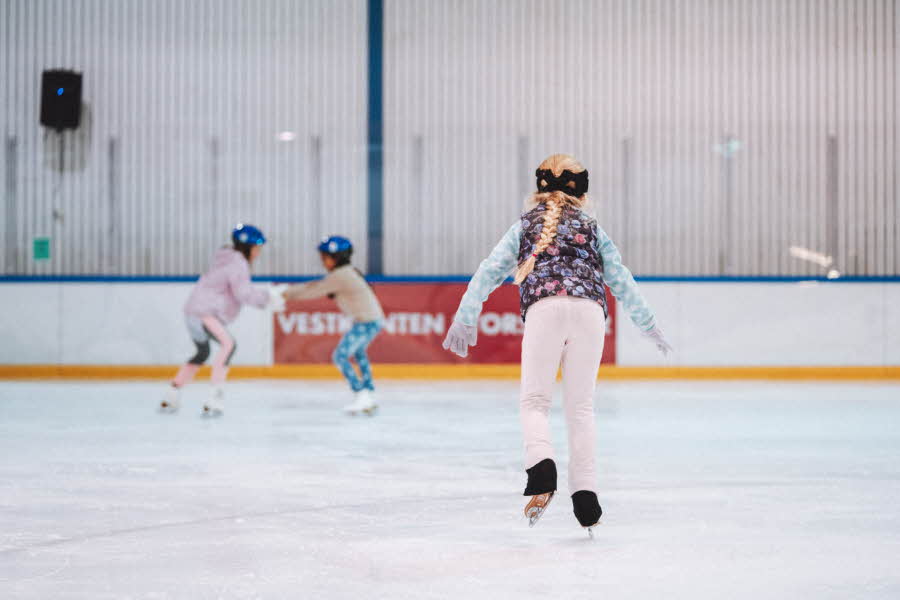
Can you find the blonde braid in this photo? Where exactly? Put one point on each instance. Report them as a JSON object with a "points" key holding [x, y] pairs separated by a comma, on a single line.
{"points": [[548, 234]]}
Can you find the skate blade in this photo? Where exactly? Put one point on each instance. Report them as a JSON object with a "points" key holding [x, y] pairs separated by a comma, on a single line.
{"points": [[591, 530], [211, 413], [167, 409], [537, 512]]}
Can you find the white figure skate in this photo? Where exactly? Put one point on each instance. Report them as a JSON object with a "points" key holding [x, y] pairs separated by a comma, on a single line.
{"points": [[214, 406], [364, 403], [171, 402]]}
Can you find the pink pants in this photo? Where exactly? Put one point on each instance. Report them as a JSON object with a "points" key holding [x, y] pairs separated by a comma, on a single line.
{"points": [[201, 332], [568, 332]]}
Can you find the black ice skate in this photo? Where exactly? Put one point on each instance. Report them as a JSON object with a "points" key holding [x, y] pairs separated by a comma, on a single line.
{"points": [[587, 510], [541, 487]]}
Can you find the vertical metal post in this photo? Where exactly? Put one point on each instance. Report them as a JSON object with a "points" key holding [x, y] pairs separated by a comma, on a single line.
{"points": [[626, 192], [215, 202], [418, 177], [315, 167], [831, 195], [375, 189], [726, 248], [57, 215], [525, 171], [10, 188], [113, 233]]}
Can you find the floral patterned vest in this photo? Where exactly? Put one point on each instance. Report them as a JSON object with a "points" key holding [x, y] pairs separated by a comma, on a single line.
{"points": [[570, 266]]}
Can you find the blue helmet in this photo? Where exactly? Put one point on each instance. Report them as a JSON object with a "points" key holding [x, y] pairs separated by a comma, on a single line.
{"points": [[247, 234], [336, 245]]}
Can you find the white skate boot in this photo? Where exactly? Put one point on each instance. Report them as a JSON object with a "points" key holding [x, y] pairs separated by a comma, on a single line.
{"points": [[364, 403], [171, 402], [214, 407]]}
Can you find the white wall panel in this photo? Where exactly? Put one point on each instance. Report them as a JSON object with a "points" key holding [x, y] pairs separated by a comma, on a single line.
{"points": [[191, 96], [30, 323], [767, 324], [102, 322], [892, 325], [782, 324], [646, 93], [113, 324], [632, 348]]}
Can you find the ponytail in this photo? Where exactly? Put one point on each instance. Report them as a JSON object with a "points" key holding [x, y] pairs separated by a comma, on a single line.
{"points": [[548, 234]]}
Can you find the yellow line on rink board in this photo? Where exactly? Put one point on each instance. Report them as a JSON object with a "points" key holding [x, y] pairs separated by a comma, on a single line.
{"points": [[454, 371]]}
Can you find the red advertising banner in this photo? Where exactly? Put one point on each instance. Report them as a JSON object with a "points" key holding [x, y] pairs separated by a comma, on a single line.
{"points": [[417, 318]]}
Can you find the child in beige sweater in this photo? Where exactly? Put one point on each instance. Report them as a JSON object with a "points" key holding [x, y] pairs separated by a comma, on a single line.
{"points": [[355, 297]]}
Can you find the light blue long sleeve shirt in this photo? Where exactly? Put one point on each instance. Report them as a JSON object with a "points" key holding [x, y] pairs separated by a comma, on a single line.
{"points": [[503, 260]]}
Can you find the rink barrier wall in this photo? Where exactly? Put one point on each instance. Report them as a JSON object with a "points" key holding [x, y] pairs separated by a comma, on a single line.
{"points": [[781, 328], [432, 372]]}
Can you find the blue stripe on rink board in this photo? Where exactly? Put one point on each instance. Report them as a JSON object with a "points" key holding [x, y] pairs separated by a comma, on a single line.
{"points": [[423, 279], [375, 187]]}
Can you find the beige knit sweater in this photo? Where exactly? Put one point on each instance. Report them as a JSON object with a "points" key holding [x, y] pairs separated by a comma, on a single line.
{"points": [[351, 292]]}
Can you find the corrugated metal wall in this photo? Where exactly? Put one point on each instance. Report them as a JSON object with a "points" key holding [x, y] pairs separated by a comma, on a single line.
{"points": [[706, 126], [183, 103], [718, 132]]}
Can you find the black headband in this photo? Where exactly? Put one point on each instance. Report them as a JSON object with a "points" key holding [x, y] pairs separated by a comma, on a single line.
{"points": [[561, 183]]}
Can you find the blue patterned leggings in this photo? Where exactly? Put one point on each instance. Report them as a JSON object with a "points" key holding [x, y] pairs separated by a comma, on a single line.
{"points": [[353, 345]]}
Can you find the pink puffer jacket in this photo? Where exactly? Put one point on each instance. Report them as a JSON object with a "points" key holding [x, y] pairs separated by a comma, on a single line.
{"points": [[222, 290]]}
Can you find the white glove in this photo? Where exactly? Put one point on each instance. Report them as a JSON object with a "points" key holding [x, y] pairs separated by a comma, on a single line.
{"points": [[276, 298], [459, 337], [656, 336]]}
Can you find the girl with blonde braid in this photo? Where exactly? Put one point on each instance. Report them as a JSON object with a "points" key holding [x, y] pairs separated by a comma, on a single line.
{"points": [[562, 259]]}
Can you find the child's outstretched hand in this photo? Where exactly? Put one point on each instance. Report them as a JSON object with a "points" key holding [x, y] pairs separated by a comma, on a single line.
{"points": [[459, 338], [276, 298], [656, 336]]}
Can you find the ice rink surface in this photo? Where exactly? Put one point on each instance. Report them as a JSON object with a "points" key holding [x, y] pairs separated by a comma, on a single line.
{"points": [[709, 490]]}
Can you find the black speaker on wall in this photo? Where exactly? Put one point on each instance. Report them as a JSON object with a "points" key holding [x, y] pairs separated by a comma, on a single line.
{"points": [[61, 99]]}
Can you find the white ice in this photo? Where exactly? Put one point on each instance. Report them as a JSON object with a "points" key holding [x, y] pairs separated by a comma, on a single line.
{"points": [[709, 490]]}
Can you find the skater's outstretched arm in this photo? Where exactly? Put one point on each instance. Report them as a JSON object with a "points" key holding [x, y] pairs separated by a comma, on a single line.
{"points": [[492, 272], [242, 288], [620, 281], [313, 289]]}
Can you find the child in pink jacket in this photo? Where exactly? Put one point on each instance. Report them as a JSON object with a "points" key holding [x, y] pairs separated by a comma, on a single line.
{"points": [[214, 302]]}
